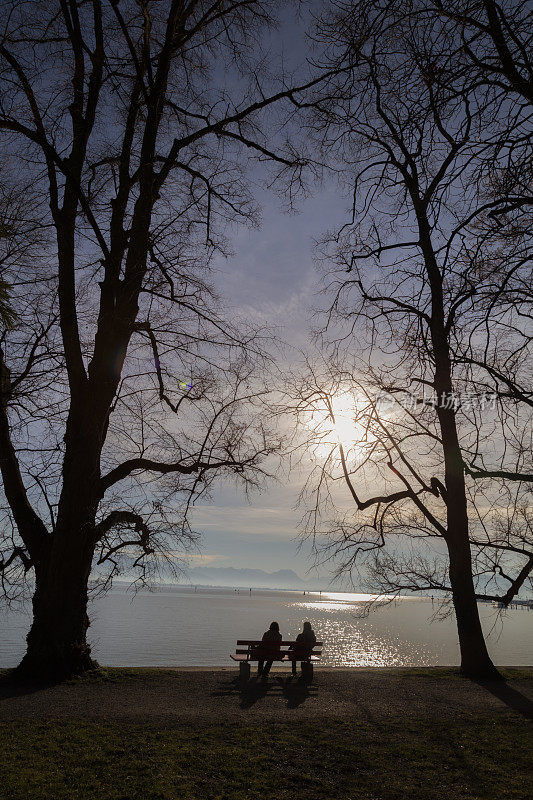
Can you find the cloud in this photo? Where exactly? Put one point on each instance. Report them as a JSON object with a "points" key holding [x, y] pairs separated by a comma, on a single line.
{"points": [[250, 520], [200, 559]]}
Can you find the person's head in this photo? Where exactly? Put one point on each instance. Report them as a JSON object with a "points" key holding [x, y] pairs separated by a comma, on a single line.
{"points": [[307, 626], [274, 626]]}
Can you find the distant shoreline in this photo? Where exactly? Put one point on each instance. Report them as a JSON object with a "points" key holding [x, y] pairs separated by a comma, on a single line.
{"points": [[361, 595]]}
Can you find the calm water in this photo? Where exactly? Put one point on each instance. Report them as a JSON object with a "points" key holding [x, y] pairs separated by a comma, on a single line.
{"points": [[178, 627]]}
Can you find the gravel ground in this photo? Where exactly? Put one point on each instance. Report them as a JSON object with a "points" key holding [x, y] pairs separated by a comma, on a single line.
{"points": [[155, 696]]}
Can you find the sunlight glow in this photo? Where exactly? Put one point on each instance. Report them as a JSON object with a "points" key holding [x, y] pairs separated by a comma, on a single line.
{"points": [[335, 422]]}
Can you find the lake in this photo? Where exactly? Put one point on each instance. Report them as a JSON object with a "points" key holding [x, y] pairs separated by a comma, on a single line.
{"points": [[178, 626]]}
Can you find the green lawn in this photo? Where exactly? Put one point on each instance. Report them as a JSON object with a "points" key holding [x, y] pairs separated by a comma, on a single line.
{"points": [[416, 760]]}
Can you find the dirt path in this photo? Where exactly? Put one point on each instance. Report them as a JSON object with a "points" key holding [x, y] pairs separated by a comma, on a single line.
{"points": [[214, 696]]}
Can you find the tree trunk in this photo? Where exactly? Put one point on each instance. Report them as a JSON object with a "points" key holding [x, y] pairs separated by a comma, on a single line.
{"points": [[56, 643], [475, 660]]}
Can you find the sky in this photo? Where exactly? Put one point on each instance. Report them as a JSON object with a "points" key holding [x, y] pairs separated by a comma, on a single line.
{"points": [[272, 277]]}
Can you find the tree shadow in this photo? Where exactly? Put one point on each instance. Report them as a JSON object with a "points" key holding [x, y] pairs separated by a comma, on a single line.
{"points": [[452, 746], [295, 692], [364, 707], [508, 695], [14, 685]]}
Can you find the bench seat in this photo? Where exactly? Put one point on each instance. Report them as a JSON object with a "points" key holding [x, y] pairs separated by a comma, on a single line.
{"points": [[314, 657], [289, 651]]}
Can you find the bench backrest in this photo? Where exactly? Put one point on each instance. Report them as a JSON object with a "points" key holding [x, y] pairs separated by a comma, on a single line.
{"points": [[284, 643]]}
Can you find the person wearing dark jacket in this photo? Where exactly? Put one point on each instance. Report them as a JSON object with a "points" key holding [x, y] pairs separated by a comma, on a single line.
{"points": [[305, 642], [269, 650]]}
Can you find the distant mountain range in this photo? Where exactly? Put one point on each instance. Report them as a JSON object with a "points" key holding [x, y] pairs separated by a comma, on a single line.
{"points": [[253, 578]]}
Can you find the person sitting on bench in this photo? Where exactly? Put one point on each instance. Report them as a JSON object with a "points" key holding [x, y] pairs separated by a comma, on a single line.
{"points": [[272, 639], [304, 644]]}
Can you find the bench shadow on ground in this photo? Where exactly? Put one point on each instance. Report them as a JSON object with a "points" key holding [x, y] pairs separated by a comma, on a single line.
{"points": [[295, 690]]}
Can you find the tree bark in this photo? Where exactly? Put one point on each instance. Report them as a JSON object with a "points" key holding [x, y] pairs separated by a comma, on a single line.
{"points": [[475, 660], [57, 641]]}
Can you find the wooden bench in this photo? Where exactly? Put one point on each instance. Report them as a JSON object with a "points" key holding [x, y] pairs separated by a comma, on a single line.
{"points": [[256, 650]]}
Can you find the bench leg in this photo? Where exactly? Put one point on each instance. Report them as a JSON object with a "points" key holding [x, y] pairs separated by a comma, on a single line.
{"points": [[307, 671], [244, 671]]}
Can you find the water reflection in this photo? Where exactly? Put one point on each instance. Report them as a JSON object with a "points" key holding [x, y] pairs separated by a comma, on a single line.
{"points": [[180, 627], [354, 597], [357, 634], [346, 645], [324, 606]]}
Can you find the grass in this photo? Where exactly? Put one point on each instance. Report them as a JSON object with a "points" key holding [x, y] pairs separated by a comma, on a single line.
{"points": [[473, 759], [477, 756]]}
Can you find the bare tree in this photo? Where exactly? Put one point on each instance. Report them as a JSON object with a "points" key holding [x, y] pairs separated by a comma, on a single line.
{"points": [[496, 39], [416, 135], [6, 313], [362, 437], [495, 55], [124, 391], [7, 316]]}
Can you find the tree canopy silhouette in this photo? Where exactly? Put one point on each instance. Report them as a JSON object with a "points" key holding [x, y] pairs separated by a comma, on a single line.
{"points": [[124, 389], [427, 337]]}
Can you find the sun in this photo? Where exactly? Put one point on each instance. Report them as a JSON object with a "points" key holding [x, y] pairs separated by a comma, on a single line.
{"points": [[336, 420], [347, 429]]}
